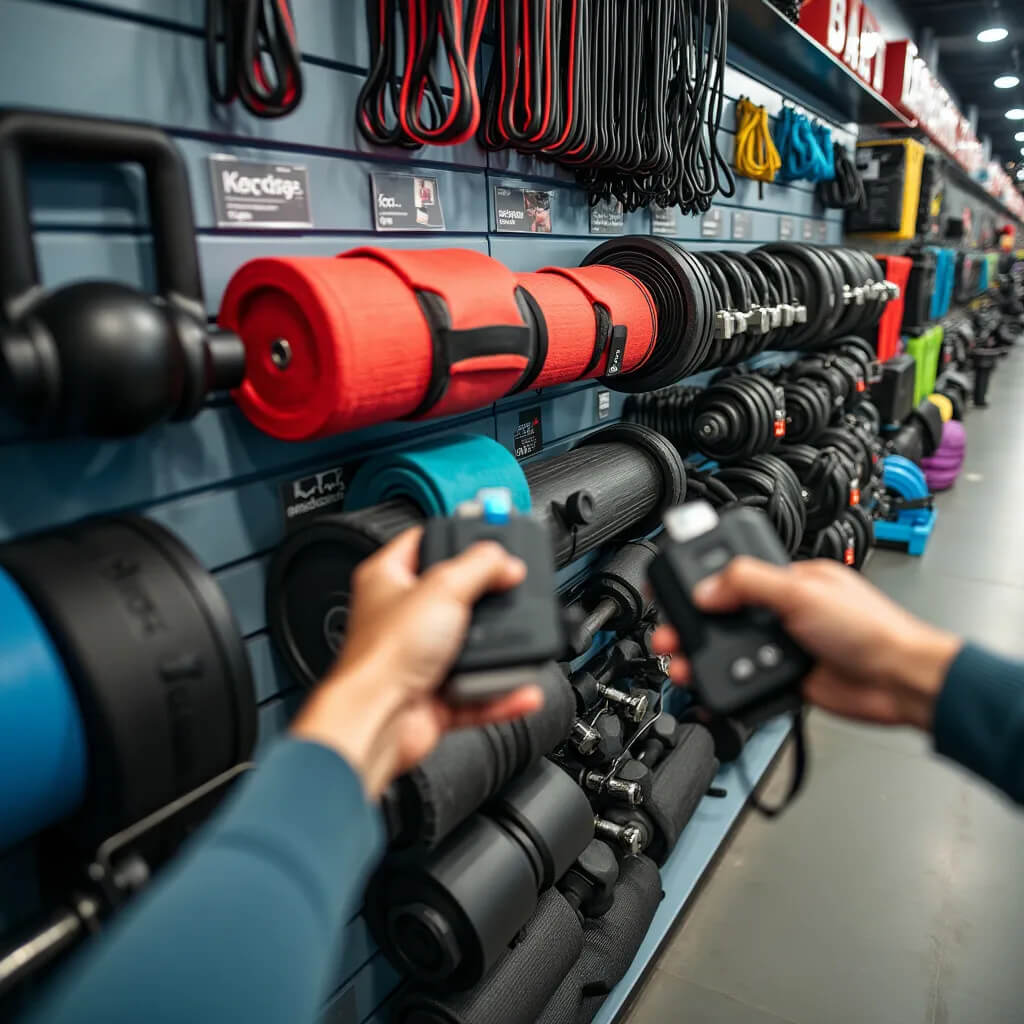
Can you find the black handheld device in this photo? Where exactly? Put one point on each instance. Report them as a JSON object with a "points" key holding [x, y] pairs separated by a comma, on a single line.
{"points": [[743, 663], [512, 632]]}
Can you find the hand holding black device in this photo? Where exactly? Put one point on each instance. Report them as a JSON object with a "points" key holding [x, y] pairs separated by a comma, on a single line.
{"points": [[743, 664], [513, 632]]}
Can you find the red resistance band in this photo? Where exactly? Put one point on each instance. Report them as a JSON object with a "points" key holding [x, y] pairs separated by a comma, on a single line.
{"points": [[374, 335], [600, 321]]}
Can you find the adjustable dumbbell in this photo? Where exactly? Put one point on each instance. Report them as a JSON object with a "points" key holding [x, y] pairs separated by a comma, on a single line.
{"points": [[616, 597]]}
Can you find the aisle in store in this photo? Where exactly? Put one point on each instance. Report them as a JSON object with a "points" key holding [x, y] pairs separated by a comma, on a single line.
{"points": [[885, 893]]}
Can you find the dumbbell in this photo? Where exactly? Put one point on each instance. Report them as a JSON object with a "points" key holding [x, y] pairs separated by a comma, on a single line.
{"points": [[447, 918], [616, 597]]}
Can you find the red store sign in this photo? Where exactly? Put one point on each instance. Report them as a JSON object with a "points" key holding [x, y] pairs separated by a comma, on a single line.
{"points": [[848, 30]]}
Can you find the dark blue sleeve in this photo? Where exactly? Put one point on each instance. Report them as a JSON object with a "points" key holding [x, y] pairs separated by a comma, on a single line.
{"points": [[979, 718], [246, 925]]}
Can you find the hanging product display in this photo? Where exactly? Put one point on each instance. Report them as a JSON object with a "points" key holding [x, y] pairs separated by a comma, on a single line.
{"points": [[891, 171], [804, 147], [756, 155], [403, 102], [98, 357], [845, 189], [252, 55]]}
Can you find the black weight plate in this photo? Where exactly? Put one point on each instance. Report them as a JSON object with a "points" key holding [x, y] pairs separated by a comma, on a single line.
{"points": [[309, 582]]}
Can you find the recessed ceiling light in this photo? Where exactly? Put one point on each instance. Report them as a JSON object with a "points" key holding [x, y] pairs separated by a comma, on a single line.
{"points": [[992, 35], [1016, 114], [1006, 81], [1019, 137], [1020, 174]]}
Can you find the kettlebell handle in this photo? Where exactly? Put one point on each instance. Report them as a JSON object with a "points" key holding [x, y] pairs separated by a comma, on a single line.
{"points": [[34, 135]]}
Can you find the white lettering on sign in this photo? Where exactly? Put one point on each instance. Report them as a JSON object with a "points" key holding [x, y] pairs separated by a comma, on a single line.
{"points": [[837, 26], [238, 184]]}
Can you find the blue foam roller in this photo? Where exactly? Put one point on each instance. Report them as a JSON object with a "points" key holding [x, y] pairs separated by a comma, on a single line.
{"points": [[439, 475], [906, 479], [42, 739]]}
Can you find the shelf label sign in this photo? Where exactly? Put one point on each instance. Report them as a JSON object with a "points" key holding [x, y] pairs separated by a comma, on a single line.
{"points": [[406, 202], [851, 33]]}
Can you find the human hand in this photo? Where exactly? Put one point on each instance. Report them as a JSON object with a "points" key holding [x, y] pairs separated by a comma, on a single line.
{"points": [[874, 660], [379, 706]]}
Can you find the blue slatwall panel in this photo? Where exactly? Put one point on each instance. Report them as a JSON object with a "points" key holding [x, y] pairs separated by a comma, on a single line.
{"points": [[215, 480]]}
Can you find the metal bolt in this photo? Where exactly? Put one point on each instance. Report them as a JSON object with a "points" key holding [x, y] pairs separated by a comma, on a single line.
{"points": [[627, 836], [585, 738], [724, 325], [281, 353], [635, 707], [630, 791]]}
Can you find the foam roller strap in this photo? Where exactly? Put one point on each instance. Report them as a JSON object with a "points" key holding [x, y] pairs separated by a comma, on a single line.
{"points": [[521, 984], [470, 766], [610, 943], [42, 744], [680, 782], [439, 475], [592, 315], [374, 335]]}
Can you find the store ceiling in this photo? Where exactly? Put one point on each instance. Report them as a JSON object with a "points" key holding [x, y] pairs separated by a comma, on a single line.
{"points": [[969, 68]]}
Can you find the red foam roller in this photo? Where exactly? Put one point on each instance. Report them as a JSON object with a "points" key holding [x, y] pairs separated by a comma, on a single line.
{"points": [[567, 297], [360, 349]]}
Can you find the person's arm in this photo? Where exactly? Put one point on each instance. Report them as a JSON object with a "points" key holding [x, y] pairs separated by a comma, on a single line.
{"points": [[979, 717], [876, 662], [245, 926]]}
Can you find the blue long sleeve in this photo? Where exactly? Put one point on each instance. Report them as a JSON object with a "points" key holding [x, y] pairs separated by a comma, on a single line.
{"points": [[979, 718], [246, 926]]}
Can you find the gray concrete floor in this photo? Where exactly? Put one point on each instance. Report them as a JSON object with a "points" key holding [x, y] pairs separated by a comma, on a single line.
{"points": [[891, 892]]}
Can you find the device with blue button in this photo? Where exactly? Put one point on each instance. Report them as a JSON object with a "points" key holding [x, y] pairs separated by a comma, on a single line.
{"points": [[511, 633], [743, 663]]}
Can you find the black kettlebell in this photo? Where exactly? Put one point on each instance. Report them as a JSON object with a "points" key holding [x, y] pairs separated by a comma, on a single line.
{"points": [[98, 357]]}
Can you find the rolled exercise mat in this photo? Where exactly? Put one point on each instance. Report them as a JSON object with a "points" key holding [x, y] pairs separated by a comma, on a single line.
{"points": [[680, 782], [470, 766], [310, 577], [521, 983], [615, 483], [168, 704], [376, 335], [610, 943], [438, 475], [600, 321], [447, 918], [42, 738]]}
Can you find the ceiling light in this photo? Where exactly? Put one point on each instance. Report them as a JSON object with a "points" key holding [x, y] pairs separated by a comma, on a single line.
{"points": [[1016, 114], [1006, 81], [1020, 174], [1019, 137], [992, 35]]}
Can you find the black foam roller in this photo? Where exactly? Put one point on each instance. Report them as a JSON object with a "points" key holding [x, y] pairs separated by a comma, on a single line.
{"points": [[470, 766], [609, 944], [625, 489], [521, 983], [680, 781]]}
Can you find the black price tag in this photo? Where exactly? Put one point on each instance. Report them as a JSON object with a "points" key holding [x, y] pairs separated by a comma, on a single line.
{"points": [[712, 224], [312, 494], [607, 218], [742, 224], [529, 435], [406, 202], [253, 194], [604, 404], [664, 220], [522, 210], [807, 230], [787, 229]]}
